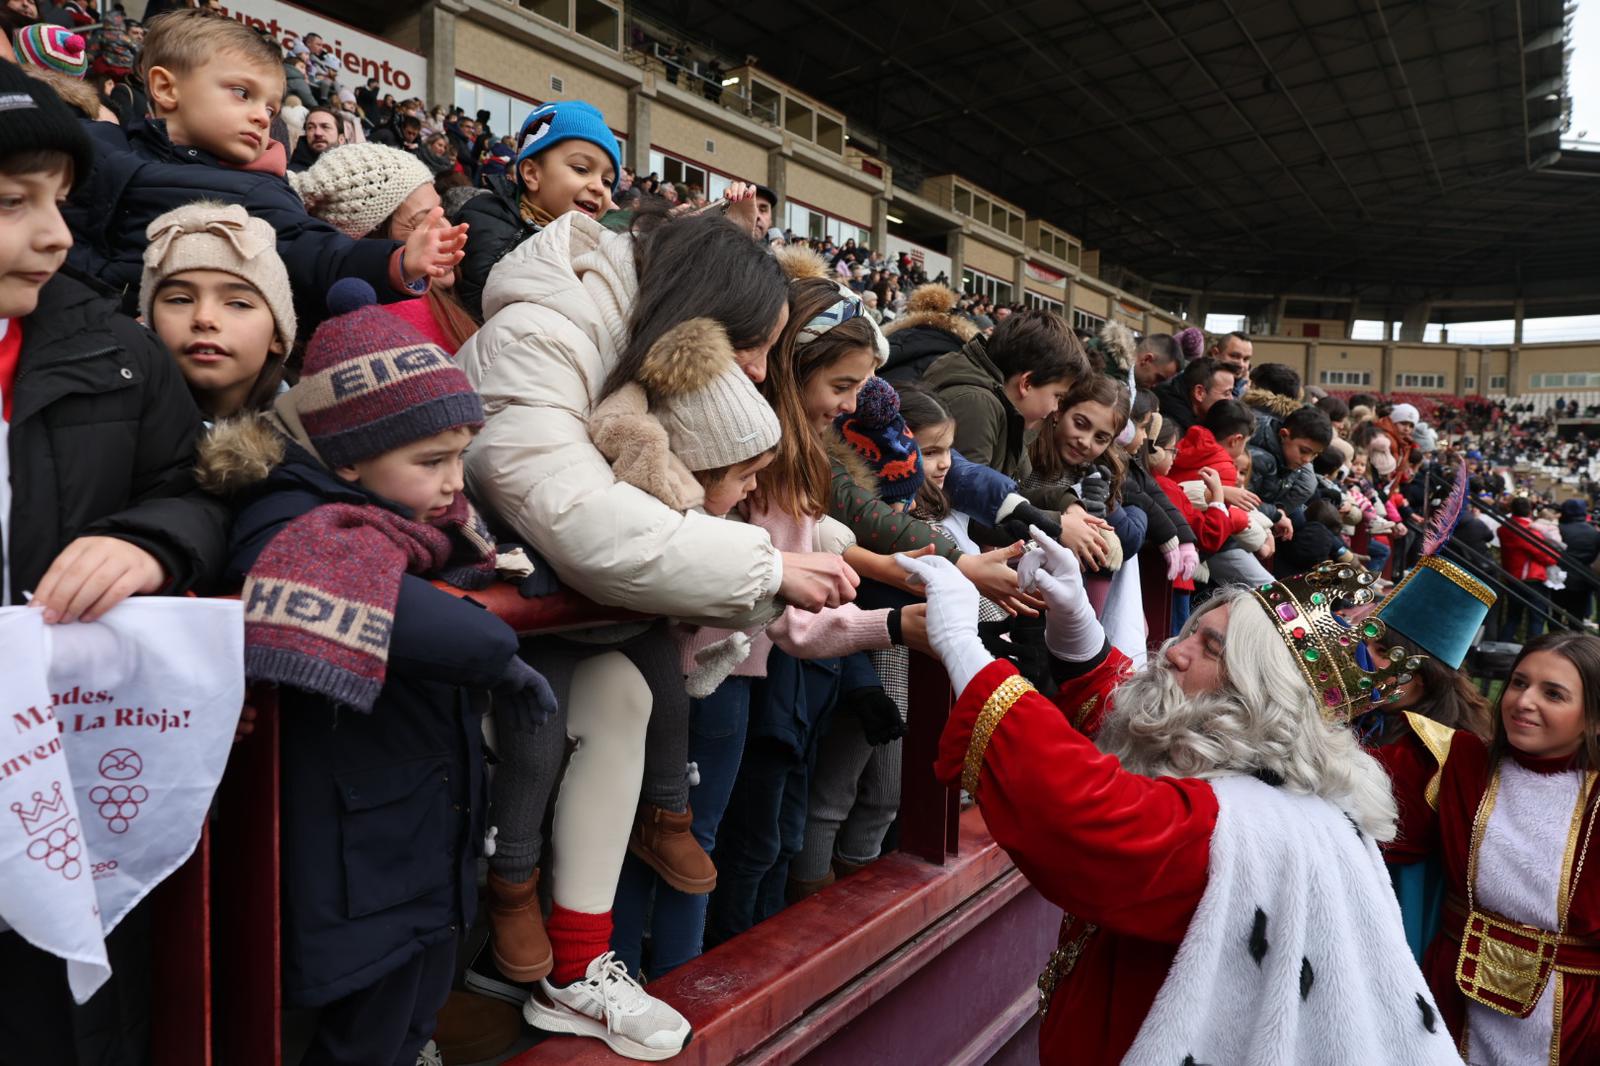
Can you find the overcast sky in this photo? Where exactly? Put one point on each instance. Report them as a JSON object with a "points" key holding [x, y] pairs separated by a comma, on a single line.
{"points": [[1584, 75]]}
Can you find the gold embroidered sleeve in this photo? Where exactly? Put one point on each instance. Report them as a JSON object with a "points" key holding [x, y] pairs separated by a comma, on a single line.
{"points": [[1007, 693]]}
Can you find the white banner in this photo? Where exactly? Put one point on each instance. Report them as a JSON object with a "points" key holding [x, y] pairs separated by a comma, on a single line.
{"points": [[116, 733], [360, 55]]}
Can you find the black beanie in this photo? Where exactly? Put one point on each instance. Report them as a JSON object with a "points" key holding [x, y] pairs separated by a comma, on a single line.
{"points": [[33, 119]]}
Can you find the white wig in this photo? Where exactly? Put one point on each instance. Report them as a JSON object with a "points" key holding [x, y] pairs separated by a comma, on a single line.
{"points": [[1264, 720]]}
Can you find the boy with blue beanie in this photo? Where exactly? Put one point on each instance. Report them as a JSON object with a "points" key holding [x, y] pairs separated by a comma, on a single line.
{"points": [[567, 159]]}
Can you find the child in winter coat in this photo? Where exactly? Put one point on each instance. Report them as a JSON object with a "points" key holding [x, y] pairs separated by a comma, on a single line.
{"points": [[1220, 443], [567, 160], [214, 86], [100, 503], [1280, 458], [1316, 540], [349, 497], [216, 293], [1072, 465]]}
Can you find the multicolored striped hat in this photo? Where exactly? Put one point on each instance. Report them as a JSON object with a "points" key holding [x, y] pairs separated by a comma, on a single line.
{"points": [[52, 48]]}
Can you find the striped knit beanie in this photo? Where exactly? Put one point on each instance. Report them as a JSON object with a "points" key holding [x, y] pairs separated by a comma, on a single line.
{"points": [[53, 48], [371, 383]]}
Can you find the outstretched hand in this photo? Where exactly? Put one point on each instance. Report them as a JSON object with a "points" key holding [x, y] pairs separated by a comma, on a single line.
{"points": [[434, 248], [952, 616]]}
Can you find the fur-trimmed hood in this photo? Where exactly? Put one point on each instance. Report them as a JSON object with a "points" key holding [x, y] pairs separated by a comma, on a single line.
{"points": [[240, 452], [1277, 406], [799, 262], [934, 306], [847, 457], [686, 358]]}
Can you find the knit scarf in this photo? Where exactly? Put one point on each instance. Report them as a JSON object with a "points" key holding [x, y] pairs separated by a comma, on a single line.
{"points": [[320, 599], [532, 212]]}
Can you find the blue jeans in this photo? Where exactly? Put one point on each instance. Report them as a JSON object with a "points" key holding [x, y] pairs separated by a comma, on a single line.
{"points": [[676, 921], [1378, 553], [1182, 604], [765, 823]]}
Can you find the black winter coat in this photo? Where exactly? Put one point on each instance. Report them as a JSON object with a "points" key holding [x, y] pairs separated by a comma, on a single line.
{"points": [[1140, 487], [102, 443], [139, 174], [912, 351], [496, 227], [304, 158], [1582, 540], [1175, 405], [382, 814]]}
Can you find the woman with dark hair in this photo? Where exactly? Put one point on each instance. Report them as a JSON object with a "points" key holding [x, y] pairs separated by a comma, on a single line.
{"points": [[567, 310], [1515, 968]]}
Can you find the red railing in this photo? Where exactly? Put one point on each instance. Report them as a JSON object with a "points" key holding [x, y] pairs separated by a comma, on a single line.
{"points": [[218, 968]]}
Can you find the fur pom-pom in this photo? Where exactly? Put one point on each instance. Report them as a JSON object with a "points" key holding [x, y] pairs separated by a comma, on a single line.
{"points": [[715, 662], [686, 358], [1119, 344], [798, 262], [932, 297], [237, 453]]}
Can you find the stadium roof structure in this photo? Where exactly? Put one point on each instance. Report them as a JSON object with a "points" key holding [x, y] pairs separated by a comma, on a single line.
{"points": [[1392, 150]]}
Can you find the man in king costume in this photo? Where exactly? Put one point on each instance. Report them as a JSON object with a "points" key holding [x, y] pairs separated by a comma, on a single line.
{"points": [[1216, 854]]}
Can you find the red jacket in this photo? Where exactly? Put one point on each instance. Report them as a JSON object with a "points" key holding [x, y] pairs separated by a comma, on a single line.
{"points": [[1199, 448], [1525, 555], [1212, 525]]}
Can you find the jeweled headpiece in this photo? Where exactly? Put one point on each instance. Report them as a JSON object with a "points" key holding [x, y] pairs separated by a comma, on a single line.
{"points": [[1305, 609]]}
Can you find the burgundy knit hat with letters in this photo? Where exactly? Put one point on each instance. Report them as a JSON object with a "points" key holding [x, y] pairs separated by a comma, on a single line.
{"points": [[371, 383]]}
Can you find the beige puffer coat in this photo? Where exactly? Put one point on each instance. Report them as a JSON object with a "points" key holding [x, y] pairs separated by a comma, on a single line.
{"points": [[557, 310]]}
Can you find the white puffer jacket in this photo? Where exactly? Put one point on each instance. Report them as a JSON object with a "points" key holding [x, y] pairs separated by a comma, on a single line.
{"points": [[557, 310]]}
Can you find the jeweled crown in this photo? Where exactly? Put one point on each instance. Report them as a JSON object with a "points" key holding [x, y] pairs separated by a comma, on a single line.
{"points": [[1305, 609]]}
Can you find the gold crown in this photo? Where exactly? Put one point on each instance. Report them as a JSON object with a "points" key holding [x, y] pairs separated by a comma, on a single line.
{"points": [[1305, 610]]}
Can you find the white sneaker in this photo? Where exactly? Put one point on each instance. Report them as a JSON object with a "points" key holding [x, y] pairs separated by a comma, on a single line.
{"points": [[611, 1006], [429, 1055]]}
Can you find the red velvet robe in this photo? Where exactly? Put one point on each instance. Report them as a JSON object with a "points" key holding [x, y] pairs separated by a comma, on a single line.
{"points": [[1124, 852], [1448, 831]]}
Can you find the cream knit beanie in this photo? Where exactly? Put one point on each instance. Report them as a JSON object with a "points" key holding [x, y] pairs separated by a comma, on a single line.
{"points": [[356, 186], [726, 421], [207, 235]]}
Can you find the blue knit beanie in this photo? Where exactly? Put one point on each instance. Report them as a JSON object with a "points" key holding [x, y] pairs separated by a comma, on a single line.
{"points": [[567, 120]]}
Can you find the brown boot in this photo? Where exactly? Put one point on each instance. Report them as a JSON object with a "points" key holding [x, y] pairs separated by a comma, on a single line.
{"points": [[661, 840], [797, 890], [842, 869], [516, 929]]}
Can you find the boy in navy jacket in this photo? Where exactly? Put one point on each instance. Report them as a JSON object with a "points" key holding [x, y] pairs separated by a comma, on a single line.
{"points": [[214, 86]]}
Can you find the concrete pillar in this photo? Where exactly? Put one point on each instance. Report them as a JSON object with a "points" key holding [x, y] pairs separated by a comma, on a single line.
{"points": [[1144, 324], [1310, 377], [956, 248], [1066, 301], [1414, 321], [437, 39], [1517, 310], [1275, 323], [1461, 372], [1513, 372], [637, 152], [1483, 372], [1352, 312], [1019, 278], [1386, 369], [880, 223], [1202, 308], [778, 182]]}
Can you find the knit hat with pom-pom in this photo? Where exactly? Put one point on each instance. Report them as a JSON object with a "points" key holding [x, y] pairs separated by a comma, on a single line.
{"points": [[52, 48], [880, 436], [1192, 342], [713, 414], [371, 383], [354, 187]]}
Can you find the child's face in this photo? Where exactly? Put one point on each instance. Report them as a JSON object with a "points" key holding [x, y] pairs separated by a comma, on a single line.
{"points": [[935, 443], [224, 106], [731, 489], [1543, 706], [423, 477], [1298, 451], [831, 390], [1358, 465], [1084, 431], [220, 330], [1038, 402], [1160, 460], [33, 237], [572, 176]]}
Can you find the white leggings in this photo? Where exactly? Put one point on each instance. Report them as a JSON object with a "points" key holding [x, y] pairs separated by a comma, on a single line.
{"points": [[607, 713]]}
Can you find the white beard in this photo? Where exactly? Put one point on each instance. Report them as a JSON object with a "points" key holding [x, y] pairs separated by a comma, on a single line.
{"points": [[1156, 729]]}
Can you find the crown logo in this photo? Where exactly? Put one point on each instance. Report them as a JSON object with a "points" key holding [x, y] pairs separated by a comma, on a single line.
{"points": [[45, 813], [1305, 609]]}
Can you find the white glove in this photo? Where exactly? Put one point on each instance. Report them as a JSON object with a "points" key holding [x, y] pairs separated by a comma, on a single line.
{"points": [[952, 619], [1071, 631]]}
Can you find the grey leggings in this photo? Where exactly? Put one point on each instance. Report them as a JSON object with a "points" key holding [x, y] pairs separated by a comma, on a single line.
{"points": [[530, 763]]}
